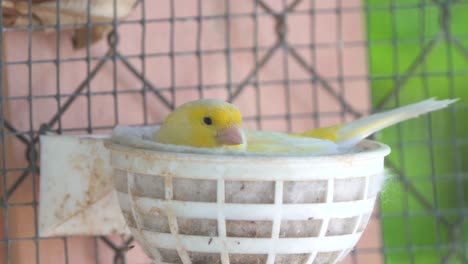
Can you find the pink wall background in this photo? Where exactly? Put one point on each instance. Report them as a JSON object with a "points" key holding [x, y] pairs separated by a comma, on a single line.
{"points": [[158, 70]]}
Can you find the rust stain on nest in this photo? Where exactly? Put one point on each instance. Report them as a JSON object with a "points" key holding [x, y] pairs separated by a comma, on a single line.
{"points": [[99, 179], [94, 168], [78, 212], [60, 211], [156, 211], [94, 174], [148, 157]]}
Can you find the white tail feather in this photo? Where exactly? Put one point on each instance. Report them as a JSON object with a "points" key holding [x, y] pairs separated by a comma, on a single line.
{"points": [[355, 131]]}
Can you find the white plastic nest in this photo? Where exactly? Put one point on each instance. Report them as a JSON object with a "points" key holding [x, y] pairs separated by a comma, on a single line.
{"points": [[199, 208]]}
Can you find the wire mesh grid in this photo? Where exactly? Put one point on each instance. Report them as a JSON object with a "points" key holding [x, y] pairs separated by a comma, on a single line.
{"points": [[271, 57]]}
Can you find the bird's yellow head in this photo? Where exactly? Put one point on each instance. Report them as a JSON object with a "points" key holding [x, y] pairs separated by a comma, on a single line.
{"points": [[204, 123]]}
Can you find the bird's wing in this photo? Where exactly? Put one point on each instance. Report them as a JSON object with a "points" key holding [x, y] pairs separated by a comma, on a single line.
{"points": [[281, 143]]}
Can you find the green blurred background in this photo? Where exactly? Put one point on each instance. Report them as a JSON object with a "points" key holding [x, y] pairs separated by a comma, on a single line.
{"points": [[419, 49]]}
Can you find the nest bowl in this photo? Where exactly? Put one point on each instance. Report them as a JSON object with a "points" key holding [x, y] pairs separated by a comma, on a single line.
{"points": [[202, 208]]}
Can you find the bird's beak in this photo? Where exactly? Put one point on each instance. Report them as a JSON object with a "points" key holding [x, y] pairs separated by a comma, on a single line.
{"points": [[230, 136]]}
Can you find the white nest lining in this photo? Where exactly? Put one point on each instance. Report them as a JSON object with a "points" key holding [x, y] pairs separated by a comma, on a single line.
{"points": [[142, 137]]}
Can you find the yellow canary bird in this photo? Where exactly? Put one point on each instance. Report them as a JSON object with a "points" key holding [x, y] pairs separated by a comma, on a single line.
{"points": [[211, 123]]}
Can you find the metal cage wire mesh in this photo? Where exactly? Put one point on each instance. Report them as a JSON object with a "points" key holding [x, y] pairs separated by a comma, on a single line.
{"points": [[164, 96]]}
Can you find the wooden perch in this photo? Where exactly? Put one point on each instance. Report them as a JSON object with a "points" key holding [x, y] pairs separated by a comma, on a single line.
{"points": [[73, 14]]}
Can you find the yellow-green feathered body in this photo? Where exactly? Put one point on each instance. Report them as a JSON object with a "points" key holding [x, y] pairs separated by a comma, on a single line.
{"points": [[275, 142], [187, 126]]}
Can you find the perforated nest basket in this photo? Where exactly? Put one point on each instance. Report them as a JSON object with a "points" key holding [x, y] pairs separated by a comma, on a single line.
{"points": [[199, 208]]}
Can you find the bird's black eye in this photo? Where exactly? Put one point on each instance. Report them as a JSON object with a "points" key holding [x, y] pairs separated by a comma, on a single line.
{"points": [[207, 120]]}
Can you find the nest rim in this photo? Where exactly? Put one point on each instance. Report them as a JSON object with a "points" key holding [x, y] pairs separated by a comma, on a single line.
{"points": [[366, 149]]}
